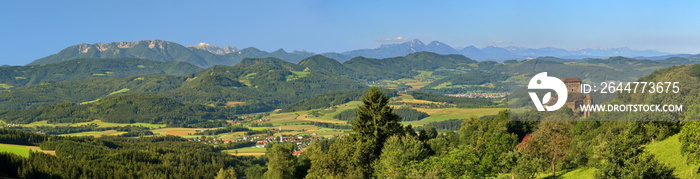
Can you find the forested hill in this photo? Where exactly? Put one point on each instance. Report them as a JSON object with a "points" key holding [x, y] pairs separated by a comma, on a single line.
{"points": [[687, 92], [370, 69], [688, 78], [268, 81], [261, 84], [123, 109], [320, 62], [403, 67], [17, 76]]}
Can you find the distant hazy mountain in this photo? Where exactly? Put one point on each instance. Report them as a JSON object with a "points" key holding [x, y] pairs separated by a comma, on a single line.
{"points": [[205, 55], [496, 53]]}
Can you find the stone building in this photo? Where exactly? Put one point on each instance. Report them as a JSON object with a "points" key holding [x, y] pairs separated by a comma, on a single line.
{"points": [[575, 98]]}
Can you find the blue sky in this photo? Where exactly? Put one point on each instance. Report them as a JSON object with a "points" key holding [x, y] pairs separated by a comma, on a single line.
{"points": [[34, 29]]}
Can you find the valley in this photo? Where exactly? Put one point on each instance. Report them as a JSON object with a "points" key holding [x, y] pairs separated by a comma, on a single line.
{"points": [[293, 124]]}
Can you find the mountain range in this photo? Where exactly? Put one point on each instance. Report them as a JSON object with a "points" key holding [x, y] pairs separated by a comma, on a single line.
{"points": [[206, 55], [494, 53]]}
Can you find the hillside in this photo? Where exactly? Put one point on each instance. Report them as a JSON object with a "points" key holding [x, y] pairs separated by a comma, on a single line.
{"points": [[18, 76], [269, 81], [123, 109], [472, 82], [52, 92], [322, 63], [371, 69], [668, 151], [262, 84]]}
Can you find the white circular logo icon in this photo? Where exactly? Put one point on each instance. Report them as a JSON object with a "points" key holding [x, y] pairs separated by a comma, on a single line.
{"points": [[542, 81]]}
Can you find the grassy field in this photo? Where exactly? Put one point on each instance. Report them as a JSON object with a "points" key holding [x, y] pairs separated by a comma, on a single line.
{"points": [[441, 114], [282, 117], [301, 116], [98, 122], [15, 149], [581, 173], [419, 81], [232, 135], [293, 130], [339, 109], [259, 128], [298, 127], [328, 132], [306, 117], [6, 86], [124, 90], [297, 75], [668, 151], [235, 103], [417, 85], [95, 133], [246, 151], [407, 98], [22, 150], [178, 131], [301, 74]]}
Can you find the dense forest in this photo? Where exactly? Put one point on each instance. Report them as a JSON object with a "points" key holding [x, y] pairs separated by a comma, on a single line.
{"points": [[263, 84], [119, 157], [18, 76], [152, 109], [132, 131]]}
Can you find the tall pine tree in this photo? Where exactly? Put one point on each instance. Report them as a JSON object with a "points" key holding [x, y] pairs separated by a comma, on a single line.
{"points": [[375, 119], [352, 157]]}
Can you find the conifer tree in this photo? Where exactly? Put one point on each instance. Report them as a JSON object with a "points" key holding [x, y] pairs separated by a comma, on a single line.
{"points": [[375, 119]]}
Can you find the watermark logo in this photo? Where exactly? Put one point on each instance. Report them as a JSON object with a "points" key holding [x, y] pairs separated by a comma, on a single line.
{"points": [[542, 81]]}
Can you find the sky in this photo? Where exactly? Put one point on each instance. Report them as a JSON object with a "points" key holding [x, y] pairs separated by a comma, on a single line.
{"points": [[30, 30]]}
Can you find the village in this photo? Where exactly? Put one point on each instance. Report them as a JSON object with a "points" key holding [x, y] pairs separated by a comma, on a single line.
{"points": [[273, 135], [479, 95]]}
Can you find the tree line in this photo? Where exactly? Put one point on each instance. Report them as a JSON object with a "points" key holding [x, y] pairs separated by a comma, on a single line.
{"points": [[57, 130]]}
